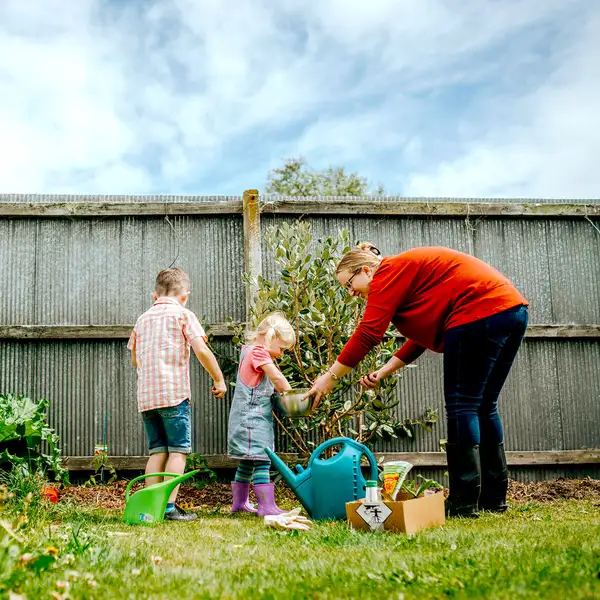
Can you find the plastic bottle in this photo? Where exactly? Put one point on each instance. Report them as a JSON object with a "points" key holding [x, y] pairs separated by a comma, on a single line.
{"points": [[373, 492]]}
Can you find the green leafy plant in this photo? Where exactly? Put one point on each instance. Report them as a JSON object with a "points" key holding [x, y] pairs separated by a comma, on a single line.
{"points": [[18, 559], [28, 554], [416, 489], [10, 544], [101, 465], [23, 428], [324, 317], [26, 488], [198, 462]]}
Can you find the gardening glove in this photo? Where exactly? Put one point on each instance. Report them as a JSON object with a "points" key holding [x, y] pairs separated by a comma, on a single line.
{"points": [[290, 520]]}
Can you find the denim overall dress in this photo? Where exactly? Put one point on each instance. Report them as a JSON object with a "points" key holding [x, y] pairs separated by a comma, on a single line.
{"points": [[250, 428]]}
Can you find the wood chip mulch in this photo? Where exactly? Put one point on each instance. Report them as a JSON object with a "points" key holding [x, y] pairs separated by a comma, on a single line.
{"points": [[210, 497], [557, 489], [218, 495]]}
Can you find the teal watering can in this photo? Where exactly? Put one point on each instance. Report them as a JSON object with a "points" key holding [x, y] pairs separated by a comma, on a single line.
{"points": [[148, 504], [325, 486]]}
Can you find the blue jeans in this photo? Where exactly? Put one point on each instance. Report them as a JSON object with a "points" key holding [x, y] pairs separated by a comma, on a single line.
{"points": [[169, 429], [477, 359]]}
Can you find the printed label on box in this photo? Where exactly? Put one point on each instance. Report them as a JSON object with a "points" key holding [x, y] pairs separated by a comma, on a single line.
{"points": [[100, 449], [374, 514]]}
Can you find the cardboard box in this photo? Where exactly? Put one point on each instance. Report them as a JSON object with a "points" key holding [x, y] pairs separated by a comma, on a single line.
{"points": [[406, 514]]}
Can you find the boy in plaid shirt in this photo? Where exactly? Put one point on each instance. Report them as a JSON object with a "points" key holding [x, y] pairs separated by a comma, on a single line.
{"points": [[160, 349]]}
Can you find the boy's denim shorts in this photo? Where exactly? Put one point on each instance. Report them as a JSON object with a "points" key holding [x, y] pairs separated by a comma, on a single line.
{"points": [[169, 429]]}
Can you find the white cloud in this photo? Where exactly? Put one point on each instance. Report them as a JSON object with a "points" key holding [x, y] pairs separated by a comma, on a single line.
{"points": [[346, 139], [186, 94], [58, 113], [548, 146], [429, 35]]}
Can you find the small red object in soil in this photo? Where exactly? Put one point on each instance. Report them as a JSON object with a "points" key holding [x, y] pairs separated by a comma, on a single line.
{"points": [[50, 494]]}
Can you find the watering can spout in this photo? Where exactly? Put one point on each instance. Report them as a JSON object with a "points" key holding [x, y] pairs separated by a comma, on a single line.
{"points": [[171, 484], [286, 472]]}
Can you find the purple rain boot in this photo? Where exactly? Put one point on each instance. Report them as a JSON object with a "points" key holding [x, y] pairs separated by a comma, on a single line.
{"points": [[239, 491], [265, 494]]}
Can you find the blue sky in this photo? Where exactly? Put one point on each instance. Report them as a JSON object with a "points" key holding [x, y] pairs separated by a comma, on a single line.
{"points": [[471, 98]]}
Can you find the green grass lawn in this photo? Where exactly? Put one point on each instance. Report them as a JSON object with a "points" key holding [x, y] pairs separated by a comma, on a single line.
{"points": [[534, 551]]}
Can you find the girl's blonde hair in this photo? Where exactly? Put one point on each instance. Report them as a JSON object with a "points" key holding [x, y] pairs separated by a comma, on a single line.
{"points": [[365, 254], [275, 326]]}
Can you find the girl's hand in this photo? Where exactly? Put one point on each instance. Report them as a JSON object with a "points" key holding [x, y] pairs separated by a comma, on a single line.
{"points": [[372, 380], [218, 389], [321, 387]]}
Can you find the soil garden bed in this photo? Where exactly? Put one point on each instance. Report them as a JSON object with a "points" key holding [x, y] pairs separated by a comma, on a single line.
{"points": [[211, 497], [217, 496]]}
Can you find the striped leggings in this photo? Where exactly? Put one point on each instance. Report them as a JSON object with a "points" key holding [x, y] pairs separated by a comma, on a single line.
{"points": [[255, 471]]}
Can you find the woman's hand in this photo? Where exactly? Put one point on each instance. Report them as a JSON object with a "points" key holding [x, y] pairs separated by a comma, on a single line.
{"points": [[372, 380], [321, 387]]}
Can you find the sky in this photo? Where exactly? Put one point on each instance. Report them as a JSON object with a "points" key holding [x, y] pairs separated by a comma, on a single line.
{"points": [[437, 98]]}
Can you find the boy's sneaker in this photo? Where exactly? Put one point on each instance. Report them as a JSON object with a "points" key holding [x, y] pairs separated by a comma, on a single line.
{"points": [[178, 514]]}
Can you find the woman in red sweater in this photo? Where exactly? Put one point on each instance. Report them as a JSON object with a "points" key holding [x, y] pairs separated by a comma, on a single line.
{"points": [[449, 302]]}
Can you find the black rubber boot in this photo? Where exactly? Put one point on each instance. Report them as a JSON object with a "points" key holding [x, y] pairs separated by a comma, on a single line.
{"points": [[464, 470], [494, 477]]}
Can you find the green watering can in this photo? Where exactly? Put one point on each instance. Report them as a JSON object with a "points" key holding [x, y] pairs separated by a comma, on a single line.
{"points": [[148, 505]]}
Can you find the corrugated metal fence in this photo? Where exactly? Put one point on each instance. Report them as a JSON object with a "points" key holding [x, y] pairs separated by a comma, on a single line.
{"points": [[90, 263]]}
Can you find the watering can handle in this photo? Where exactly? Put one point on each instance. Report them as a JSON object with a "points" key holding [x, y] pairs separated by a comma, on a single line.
{"points": [[344, 441], [144, 477]]}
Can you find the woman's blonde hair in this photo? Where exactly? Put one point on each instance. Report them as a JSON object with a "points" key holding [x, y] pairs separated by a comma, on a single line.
{"points": [[364, 255], [275, 326]]}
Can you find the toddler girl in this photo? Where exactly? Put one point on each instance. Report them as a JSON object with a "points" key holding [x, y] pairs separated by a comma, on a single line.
{"points": [[250, 428]]}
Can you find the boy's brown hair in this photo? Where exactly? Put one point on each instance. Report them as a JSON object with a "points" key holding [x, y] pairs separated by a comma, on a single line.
{"points": [[171, 282]]}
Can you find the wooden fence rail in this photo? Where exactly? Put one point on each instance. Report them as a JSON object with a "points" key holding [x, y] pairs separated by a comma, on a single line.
{"points": [[418, 459], [401, 208], [122, 332]]}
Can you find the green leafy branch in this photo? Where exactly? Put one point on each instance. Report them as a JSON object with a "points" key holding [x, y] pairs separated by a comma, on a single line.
{"points": [[23, 428], [324, 318]]}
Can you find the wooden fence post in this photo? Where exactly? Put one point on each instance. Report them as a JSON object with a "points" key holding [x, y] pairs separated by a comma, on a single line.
{"points": [[252, 246]]}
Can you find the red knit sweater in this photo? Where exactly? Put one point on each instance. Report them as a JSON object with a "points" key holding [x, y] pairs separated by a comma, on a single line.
{"points": [[424, 292]]}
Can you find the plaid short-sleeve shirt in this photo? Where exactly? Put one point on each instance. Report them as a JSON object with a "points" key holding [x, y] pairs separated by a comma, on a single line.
{"points": [[161, 338]]}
